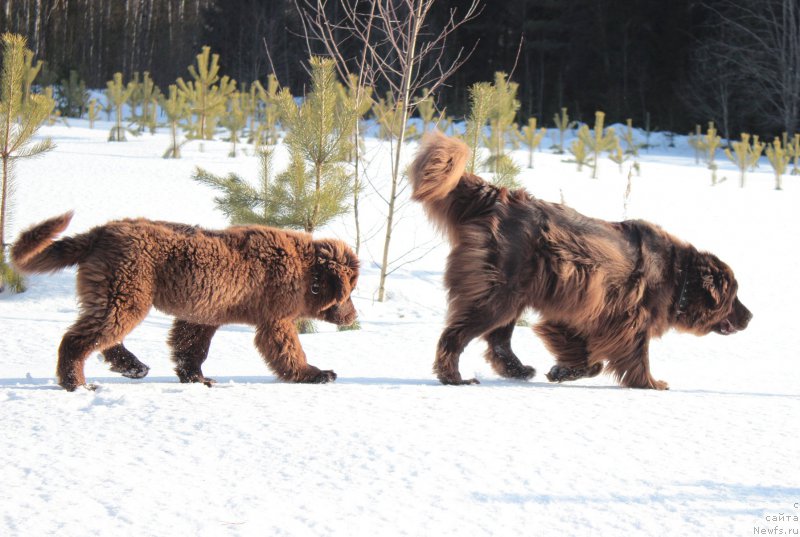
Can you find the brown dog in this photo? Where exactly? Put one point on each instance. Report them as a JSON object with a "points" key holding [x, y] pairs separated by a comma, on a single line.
{"points": [[249, 274], [602, 289]]}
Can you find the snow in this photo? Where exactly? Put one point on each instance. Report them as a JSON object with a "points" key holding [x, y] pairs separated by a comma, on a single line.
{"points": [[386, 450]]}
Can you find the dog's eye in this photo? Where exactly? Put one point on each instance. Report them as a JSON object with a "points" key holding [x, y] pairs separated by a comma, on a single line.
{"points": [[315, 288]]}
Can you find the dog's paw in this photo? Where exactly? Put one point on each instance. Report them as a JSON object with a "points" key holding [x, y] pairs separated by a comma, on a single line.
{"points": [[458, 381], [660, 385], [559, 373], [196, 377], [320, 377], [138, 371], [525, 372]]}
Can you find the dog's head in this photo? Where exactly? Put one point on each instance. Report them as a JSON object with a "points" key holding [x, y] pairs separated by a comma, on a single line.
{"points": [[708, 300], [333, 277]]}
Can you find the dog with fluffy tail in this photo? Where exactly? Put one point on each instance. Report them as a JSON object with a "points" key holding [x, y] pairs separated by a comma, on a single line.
{"points": [[254, 275], [602, 289]]}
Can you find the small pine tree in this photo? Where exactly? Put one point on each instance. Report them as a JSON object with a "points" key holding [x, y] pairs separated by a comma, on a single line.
{"points": [[480, 96], [355, 101], [578, 147], [144, 95], [697, 142], [793, 149], [175, 110], [711, 142], [389, 116], [757, 150], [617, 155], [241, 202], [235, 119], [268, 129], [601, 140], [207, 93], [531, 138], [30, 72], [73, 97], [316, 186], [118, 94], [631, 147], [743, 155], [502, 111], [55, 114], [93, 112], [18, 124], [779, 158], [563, 124]]}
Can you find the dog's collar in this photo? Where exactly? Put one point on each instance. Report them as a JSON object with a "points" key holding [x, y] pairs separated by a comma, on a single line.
{"points": [[683, 299]]}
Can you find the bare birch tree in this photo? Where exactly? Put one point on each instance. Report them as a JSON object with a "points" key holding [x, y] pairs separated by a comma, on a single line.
{"points": [[400, 52]]}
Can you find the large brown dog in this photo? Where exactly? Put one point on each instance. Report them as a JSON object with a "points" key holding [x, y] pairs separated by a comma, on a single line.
{"points": [[249, 274], [602, 289]]}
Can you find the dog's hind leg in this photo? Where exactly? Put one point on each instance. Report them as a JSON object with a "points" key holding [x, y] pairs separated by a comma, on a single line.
{"points": [[190, 343], [570, 351], [125, 362], [110, 309], [502, 358], [280, 347]]}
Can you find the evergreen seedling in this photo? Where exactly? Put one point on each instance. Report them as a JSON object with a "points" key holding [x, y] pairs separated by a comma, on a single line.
{"points": [[697, 143], [743, 156], [175, 110], [601, 140], [793, 149], [617, 155], [235, 119], [144, 96], [502, 111], [93, 112], [241, 202], [18, 124], [563, 124], [73, 97], [480, 96], [578, 147], [316, 186], [271, 111], [631, 147], [779, 158], [30, 72], [118, 94], [207, 93], [531, 138], [711, 142]]}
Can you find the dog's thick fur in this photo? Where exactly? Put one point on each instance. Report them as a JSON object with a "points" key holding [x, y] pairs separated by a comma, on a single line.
{"points": [[248, 274], [602, 289]]}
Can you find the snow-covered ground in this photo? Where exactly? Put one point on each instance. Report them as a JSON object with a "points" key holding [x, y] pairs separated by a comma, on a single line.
{"points": [[386, 450]]}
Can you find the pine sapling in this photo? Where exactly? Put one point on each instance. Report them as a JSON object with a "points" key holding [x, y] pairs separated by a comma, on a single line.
{"points": [[207, 93], [73, 97], [697, 142], [711, 142], [235, 120], [617, 155], [317, 186], [268, 96], [578, 147], [176, 110], [502, 111], [631, 147], [563, 124], [779, 158], [531, 138], [743, 156], [793, 150], [601, 140], [93, 112], [480, 96], [118, 95], [18, 124], [30, 72]]}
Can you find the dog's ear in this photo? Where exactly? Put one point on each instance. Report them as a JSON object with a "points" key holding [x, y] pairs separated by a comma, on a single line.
{"points": [[335, 274], [714, 278]]}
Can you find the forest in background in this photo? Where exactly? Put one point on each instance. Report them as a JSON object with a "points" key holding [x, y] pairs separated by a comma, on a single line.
{"points": [[670, 64]]}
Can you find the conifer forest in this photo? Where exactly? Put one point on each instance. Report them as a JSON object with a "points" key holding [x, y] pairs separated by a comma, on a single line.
{"points": [[670, 65]]}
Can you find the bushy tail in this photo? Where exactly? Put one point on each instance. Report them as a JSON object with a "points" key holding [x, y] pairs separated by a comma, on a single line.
{"points": [[35, 250], [438, 166]]}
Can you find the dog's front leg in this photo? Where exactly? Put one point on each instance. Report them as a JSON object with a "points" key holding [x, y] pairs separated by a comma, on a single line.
{"points": [[280, 347], [631, 366]]}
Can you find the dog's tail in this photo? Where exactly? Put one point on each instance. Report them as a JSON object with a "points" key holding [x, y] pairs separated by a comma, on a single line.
{"points": [[438, 166], [35, 250]]}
